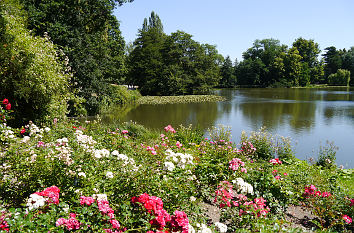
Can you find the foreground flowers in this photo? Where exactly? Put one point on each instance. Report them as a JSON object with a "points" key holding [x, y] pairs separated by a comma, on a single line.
{"points": [[154, 206]]}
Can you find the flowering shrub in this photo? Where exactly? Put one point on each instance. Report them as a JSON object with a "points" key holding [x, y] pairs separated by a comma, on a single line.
{"points": [[275, 161], [169, 128], [5, 110], [325, 207], [161, 219], [123, 161], [235, 163]]}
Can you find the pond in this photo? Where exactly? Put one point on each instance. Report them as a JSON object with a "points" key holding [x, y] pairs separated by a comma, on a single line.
{"points": [[309, 116]]}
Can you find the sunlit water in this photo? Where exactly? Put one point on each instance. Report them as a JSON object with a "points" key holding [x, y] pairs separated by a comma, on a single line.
{"points": [[310, 117]]}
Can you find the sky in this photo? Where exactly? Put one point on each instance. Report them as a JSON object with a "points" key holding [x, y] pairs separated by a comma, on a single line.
{"points": [[233, 25]]}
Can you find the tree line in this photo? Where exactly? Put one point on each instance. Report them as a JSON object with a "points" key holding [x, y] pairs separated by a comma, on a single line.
{"points": [[271, 64], [68, 57]]}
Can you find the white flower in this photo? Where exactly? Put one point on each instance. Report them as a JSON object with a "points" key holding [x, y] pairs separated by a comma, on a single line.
{"points": [[115, 153], [222, 227], [35, 201], [99, 197], [25, 139], [109, 175], [242, 186], [204, 229], [192, 198], [190, 229], [97, 154], [105, 152], [169, 166], [47, 129], [82, 174]]}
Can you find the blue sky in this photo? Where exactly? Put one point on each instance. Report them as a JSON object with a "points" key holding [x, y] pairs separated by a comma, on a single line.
{"points": [[233, 25]]}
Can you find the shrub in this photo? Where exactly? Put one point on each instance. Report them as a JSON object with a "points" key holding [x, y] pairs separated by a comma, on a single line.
{"points": [[32, 76], [341, 78]]}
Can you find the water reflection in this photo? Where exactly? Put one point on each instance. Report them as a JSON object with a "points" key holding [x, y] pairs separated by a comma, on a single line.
{"points": [[306, 115]]}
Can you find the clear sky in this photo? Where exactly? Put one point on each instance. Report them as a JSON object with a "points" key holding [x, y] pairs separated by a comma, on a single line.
{"points": [[233, 25]]}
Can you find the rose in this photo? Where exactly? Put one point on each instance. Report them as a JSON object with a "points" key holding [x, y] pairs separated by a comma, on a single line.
{"points": [[5, 101], [23, 130], [8, 106]]}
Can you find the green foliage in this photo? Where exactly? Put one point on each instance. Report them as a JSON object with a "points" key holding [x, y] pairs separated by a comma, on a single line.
{"points": [[33, 77], [228, 78], [126, 160], [89, 35], [268, 63], [340, 78], [327, 156], [173, 64]]}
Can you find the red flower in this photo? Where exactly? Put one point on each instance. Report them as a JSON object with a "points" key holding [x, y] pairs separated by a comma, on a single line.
{"points": [[347, 219], [8, 106], [5, 101], [23, 130]]}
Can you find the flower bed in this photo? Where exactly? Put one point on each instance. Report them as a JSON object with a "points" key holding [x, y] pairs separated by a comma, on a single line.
{"points": [[87, 177]]}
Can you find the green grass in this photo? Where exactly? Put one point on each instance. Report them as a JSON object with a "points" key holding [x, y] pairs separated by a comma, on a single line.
{"points": [[346, 180]]}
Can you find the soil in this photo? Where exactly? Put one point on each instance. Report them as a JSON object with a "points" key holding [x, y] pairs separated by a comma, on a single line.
{"points": [[295, 216]]}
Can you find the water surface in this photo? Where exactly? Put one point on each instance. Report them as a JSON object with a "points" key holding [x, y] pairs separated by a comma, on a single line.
{"points": [[310, 117]]}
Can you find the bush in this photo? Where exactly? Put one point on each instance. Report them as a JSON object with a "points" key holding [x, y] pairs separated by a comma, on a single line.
{"points": [[341, 78], [32, 76]]}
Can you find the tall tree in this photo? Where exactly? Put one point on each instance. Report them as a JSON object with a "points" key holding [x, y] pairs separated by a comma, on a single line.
{"points": [[145, 61], [173, 64], [228, 78], [348, 63], [309, 51], [333, 60], [89, 35], [263, 54]]}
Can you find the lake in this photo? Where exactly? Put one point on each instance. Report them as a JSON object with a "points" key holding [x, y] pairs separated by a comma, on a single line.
{"points": [[309, 116]]}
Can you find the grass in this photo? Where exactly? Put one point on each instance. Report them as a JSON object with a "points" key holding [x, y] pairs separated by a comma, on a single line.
{"points": [[346, 180]]}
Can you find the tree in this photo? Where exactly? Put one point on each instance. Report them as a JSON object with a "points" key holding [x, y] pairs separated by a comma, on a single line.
{"points": [[340, 78], [228, 78], [348, 63], [89, 35], [333, 60], [309, 51], [173, 64], [32, 75], [145, 61], [263, 54]]}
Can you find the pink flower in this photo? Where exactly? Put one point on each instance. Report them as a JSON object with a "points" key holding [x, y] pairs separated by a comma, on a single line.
{"points": [[23, 130], [115, 224], [103, 206], [326, 194], [180, 222], [52, 193], [275, 161], [274, 171], [235, 163], [153, 152], [71, 224], [60, 222], [347, 219], [124, 131], [277, 177], [8, 106], [285, 174], [244, 170], [86, 200], [5, 101], [169, 128], [178, 144], [351, 203]]}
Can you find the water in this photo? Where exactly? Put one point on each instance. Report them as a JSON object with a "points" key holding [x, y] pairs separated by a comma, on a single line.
{"points": [[310, 117]]}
